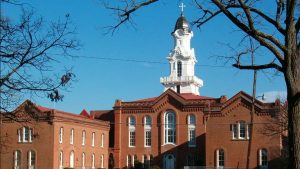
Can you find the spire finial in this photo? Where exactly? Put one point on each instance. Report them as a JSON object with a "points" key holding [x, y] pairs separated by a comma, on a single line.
{"points": [[181, 6]]}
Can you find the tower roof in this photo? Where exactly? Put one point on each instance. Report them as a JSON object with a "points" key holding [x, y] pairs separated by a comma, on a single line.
{"points": [[182, 23]]}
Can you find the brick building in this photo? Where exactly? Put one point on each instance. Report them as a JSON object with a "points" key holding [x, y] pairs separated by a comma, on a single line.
{"points": [[178, 128], [44, 138], [182, 128]]}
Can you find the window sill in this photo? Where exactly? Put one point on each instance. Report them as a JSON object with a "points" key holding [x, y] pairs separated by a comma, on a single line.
{"points": [[192, 146], [147, 146], [240, 139], [131, 146], [169, 144]]}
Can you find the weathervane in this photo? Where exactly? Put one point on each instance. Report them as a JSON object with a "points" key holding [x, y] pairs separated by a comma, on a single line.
{"points": [[181, 6]]}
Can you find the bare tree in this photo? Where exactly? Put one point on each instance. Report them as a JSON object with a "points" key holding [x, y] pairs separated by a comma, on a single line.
{"points": [[281, 38], [28, 50]]}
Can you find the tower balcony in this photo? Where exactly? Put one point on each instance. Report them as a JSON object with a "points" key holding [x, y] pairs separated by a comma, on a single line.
{"points": [[181, 80]]}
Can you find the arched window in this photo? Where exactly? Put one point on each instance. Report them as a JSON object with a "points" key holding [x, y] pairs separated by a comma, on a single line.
{"points": [[146, 162], [129, 162], [220, 157], [93, 161], [170, 128], [72, 159], [102, 140], [102, 161], [147, 130], [132, 123], [31, 159], [263, 159], [179, 69], [61, 133], [83, 161], [61, 160], [134, 161], [72, 136], [93, 139], [17, 159], [192, 130], [83, 138]]}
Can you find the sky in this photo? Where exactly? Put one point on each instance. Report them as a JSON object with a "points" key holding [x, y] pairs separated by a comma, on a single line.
{"points": [[99, 82]]}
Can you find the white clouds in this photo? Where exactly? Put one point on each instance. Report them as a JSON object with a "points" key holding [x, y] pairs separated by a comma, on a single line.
{"points": [[271, 96]]}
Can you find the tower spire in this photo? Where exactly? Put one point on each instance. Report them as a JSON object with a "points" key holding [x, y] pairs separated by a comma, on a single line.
{"points": [[182, 6]]}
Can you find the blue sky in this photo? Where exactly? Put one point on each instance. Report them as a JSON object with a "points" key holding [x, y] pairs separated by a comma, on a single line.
{"points": [[100, 82]]}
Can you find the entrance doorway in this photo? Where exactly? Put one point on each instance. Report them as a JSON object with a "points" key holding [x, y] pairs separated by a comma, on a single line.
{"points": [[169, 161]]}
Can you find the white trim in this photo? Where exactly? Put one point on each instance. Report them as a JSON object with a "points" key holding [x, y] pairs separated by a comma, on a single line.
{"points": [[61, 133], [102, 161], [83, 161], [93, 161], [102, 140], [93, 139], [72, 136], [60, 160], [83, 137]]}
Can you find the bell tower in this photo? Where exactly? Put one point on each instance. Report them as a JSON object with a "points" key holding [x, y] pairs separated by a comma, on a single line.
{"points": [[182, 60]]}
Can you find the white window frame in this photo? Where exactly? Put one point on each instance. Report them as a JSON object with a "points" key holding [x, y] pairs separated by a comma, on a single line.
{"points": [[172, 128], [192, 130], [61, 133], [218, 159], [102, 140], [131, 131], [72, 159], [31, 161], [83, 161], [261, 160], [132, 136], [147, 131], [129, 161], [93, 161], [242, 130], [102, 161], [30, 134], [26, 134], [20, 135], [93, 139], [60, 160], [72, 136], [17, 159], [83, 138]]}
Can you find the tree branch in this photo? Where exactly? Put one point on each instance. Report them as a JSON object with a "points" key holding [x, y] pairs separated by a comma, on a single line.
{"points": [[258, 67]]}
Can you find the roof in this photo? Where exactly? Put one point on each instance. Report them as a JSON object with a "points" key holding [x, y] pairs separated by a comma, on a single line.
{"points": [[182, 23], [186, 96]]}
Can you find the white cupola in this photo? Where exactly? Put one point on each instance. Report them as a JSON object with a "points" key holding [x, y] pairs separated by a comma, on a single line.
{"points": [[182, 61]]}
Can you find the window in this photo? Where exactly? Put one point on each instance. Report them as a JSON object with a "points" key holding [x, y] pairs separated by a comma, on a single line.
{"points": [[146, 162], [131, 138], [83, 138], [263, 159], [93, 139], [102, 140], [151, 160], [60, 160], [129, 162], [170, 128], [220, 159], [147, 129], [240, 130], [83, 161], [132, 123], [31, 159], [178, 88], [72, 136], [72, 159], [93, 161], [25, 134], [192, 130], [134, 160], [102, 161], [17, 159], [179, 69], [234, 129], [191, 160], [61, 133]]}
